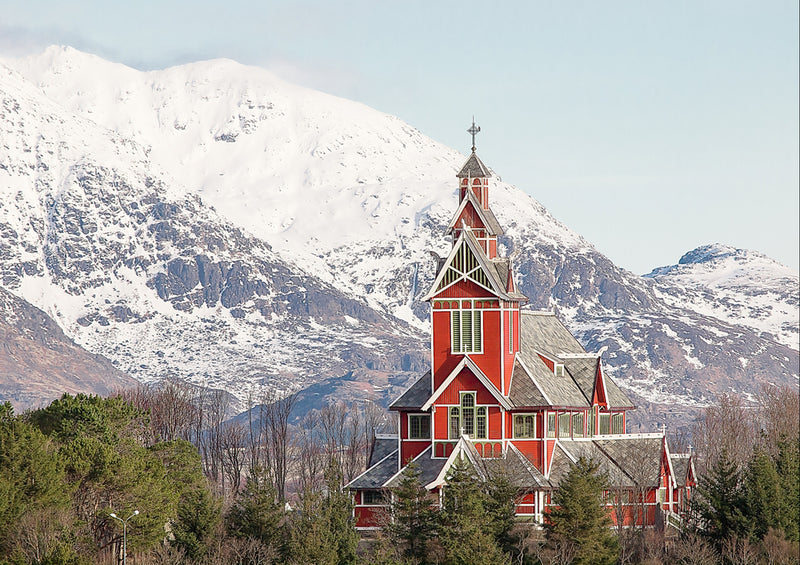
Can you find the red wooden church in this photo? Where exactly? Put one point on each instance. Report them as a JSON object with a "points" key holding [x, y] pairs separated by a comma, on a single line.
{"points": [[512, 387]]}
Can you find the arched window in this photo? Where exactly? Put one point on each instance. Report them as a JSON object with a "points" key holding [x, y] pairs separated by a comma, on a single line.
{"points": [[468, 413], [455, 423]]}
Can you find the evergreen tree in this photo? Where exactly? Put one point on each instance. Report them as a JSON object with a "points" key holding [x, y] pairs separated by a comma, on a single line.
{"points": [[464, 531], [31, 475], [762, 494], [322, 531], [257, 513], [721, 504], [413, 519], [579, 519], [198, 516], [788, 467], [501, 509]]}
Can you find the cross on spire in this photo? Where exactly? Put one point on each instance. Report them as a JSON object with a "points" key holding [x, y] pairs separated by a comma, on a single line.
{"points": [[473, 130]]}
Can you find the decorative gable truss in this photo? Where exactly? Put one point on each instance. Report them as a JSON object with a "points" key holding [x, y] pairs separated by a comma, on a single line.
{"points": [[468, 262]]}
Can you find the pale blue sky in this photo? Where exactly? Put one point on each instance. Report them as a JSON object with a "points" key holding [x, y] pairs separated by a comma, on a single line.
{"points": [[649, 127]]}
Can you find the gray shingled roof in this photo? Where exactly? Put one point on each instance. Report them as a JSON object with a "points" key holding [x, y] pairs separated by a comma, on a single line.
{"points": [[627, 460], [429, 469], [680, 465], [523, 392], [543, 332], [473, 167], [383, 446], [415, 396], [519, 470], [377, 475]]}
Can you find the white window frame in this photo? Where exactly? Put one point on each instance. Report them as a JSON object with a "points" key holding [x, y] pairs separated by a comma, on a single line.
{"points": [[558, 369], [524, 416], [457, 326], [385, 501]]}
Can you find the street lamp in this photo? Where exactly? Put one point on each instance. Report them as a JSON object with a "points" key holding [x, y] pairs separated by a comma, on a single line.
{"points": [[124, 534]]}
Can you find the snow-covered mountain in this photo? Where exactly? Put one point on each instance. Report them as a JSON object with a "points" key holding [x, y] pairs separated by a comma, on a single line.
{"points": [[214, 222], [735, 285]]}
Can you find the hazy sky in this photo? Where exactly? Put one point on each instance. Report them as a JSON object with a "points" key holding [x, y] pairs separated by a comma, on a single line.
{"points": [[649, 127]]}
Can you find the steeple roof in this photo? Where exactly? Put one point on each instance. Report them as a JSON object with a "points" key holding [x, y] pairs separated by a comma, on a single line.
{"points": [[486, 216], [473, 168]]}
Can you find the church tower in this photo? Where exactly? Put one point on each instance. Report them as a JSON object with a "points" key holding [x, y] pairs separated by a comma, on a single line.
{"points": [[474, 301]]}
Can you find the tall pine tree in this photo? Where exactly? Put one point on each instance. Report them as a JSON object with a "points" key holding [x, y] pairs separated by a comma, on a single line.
{"points": [[413, 519], [579, 519]]}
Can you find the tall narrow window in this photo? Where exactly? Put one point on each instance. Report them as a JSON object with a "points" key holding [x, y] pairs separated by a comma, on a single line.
{"points": [[455, 423], [592, 422], [419, 426], [577, 424], [524, 426], [480, 422], [511, 332], [605, 420], [563, 424], [468, 413], [617, 424], [551, 425], [465, 331]]}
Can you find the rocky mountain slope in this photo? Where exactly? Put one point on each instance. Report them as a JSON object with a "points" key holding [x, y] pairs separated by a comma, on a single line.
{"points": [[213, 222], [738, 286], [38, 362]]}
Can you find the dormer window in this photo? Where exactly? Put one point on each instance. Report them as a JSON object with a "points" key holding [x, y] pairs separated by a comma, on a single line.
{"points": [[558, 369]]}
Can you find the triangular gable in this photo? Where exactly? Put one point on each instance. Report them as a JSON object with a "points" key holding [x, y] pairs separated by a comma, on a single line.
{"points": [[487, 219], [529, 374], [463, 446], [467, 261], [467, 363]]}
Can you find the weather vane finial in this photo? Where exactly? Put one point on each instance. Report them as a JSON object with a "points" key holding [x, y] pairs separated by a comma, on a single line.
{"points": [[473, 130]]}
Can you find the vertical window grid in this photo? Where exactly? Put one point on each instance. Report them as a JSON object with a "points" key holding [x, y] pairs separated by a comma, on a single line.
{"points": [[551, 425], [455, 423], [480, 423], [577, 424], [468, 413]]}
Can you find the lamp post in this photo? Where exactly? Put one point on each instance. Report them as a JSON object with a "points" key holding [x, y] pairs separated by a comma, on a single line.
{"points": [[124, 534]]}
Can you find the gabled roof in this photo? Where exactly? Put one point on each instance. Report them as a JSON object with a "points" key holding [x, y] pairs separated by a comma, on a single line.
{"points": [[467, 363], [463, 447], [628, 460], [497, 280], [429, 469], [376, 476], [487, 216], [682, 465], [520, 471], [473, 167], [415, 396], [383, 446], [533, 382]]}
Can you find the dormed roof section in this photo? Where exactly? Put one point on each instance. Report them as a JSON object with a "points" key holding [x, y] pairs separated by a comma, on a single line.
{"points": [[473, 167], [487, 217], [415, 396], [384, 445], [534, 383]]}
